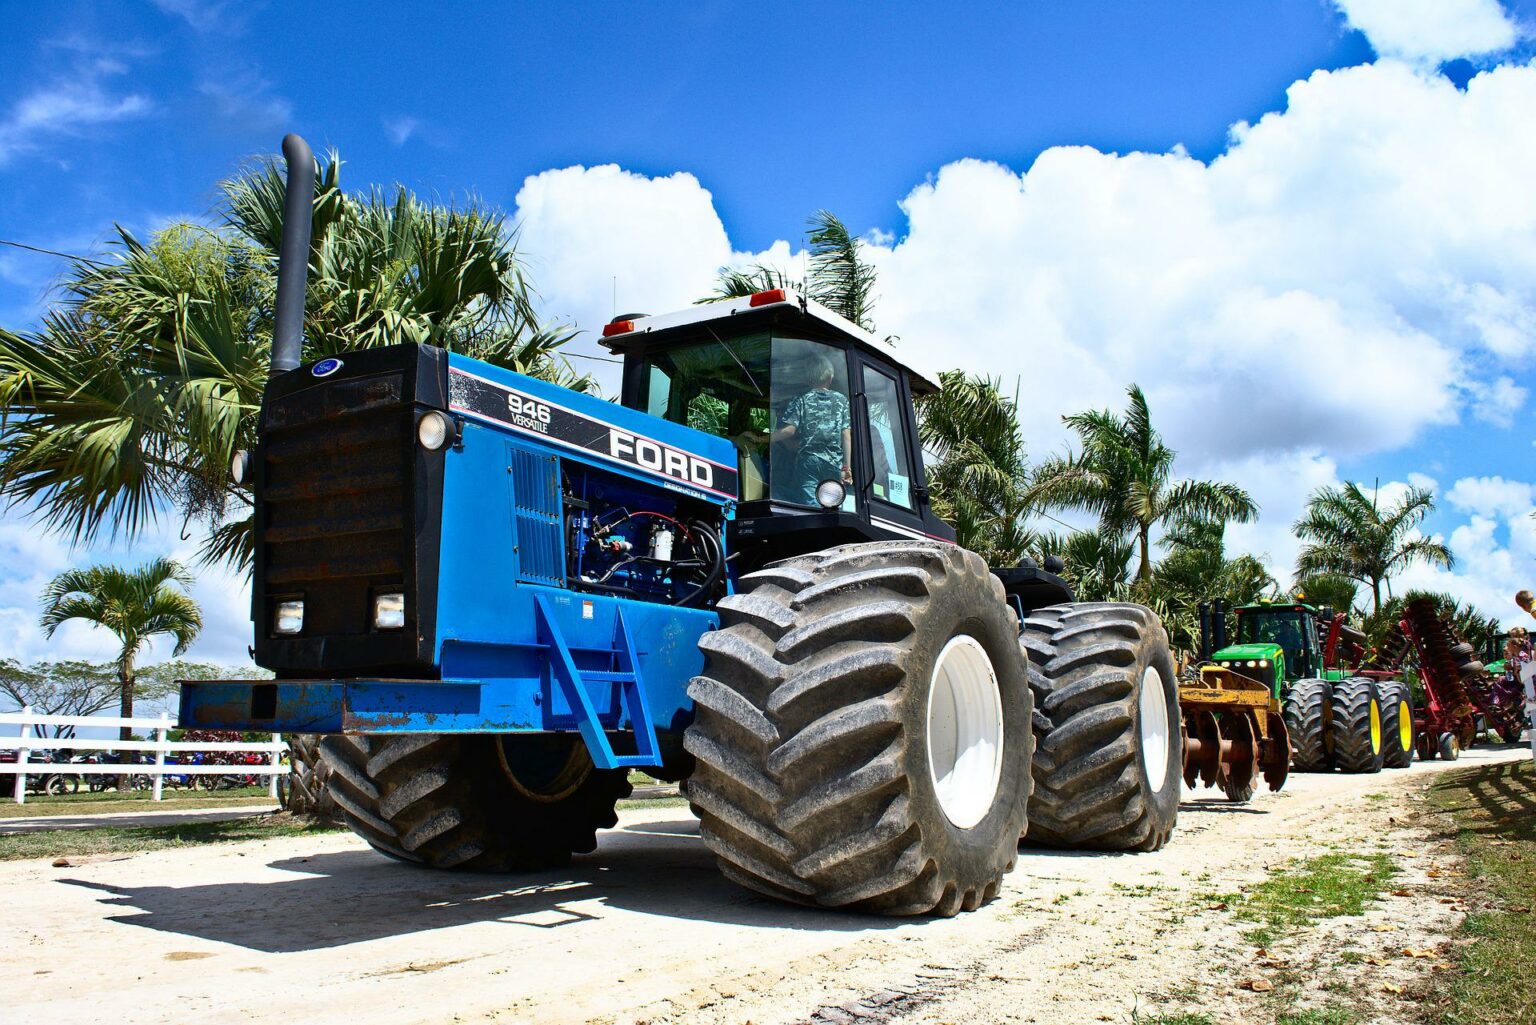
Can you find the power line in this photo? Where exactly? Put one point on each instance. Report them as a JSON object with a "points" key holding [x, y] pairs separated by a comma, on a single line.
{"points": [[1064, 523], [50, 252], [600, 359]]}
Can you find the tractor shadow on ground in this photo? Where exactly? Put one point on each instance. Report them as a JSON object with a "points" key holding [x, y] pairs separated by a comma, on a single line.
{"points": [[336, 898], [1506, 795]]}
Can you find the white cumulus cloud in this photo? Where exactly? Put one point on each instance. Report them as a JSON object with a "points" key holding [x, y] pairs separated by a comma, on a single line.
{"points": [[1493, 496], [1352, 272], [1432, 30]]}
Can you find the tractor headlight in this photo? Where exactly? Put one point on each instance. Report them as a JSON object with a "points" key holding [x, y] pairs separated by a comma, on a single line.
{"points": [[830, 494], [1263, 663], [1252, 664], [434, 430], [289, 618], [389, 611], [239, 466]]}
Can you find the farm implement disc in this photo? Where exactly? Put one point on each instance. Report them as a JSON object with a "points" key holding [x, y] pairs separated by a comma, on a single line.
{"points": [[1234, 733], [1457, 687]]}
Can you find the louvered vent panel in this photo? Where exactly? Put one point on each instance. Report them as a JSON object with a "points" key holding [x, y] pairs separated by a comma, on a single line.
{"points": [[536, 505]]}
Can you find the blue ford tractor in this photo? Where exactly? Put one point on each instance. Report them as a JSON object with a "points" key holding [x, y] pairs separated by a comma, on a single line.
{"points": [[494, 597]]}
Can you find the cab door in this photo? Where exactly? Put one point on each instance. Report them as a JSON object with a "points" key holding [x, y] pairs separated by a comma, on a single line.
{"points": [[889, 475]]}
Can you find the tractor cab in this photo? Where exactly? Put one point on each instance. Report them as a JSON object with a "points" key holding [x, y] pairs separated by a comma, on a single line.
{"points": [[819, 411], [1279, 642]]}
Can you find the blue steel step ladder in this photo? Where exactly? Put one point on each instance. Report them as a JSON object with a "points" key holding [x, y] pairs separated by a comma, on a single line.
{"points": [[572, 683]]}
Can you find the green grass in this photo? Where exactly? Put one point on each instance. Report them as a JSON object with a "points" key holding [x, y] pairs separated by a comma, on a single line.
{"points": [[1316, 1016], [1302, 893], [68, 843], [653, 802], [111, 801], [1492, 815], [1173, 1019]]}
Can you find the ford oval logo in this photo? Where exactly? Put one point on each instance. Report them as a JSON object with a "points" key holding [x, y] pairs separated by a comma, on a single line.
{"points": [[326, 367]]}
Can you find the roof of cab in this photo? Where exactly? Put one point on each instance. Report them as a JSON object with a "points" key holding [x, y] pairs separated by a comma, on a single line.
{"points": [[684, 324]]}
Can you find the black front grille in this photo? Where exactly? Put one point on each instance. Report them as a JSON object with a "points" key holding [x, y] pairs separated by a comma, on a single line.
{"points": [[345, 497], [336, 495]]}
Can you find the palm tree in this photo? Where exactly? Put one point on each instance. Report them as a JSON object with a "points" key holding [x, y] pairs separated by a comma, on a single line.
{"points": [[1096, 562], [135, 605], [138, 389], [1347, 532], [980, 480], [1334, 590], [837, 275], [1124, 474], [1197, 569]]}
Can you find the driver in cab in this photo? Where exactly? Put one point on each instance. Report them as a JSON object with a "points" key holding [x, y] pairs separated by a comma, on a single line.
{"points": [[816, 425]]}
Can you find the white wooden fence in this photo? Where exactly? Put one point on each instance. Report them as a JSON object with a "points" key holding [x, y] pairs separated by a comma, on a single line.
{"points": [[27, 742]]}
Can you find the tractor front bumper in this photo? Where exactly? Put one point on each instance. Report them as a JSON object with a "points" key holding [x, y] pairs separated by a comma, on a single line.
{"points": [[360, 706]]}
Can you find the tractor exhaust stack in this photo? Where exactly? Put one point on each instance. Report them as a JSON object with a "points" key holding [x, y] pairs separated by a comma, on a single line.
{"points": [[293, 256]]}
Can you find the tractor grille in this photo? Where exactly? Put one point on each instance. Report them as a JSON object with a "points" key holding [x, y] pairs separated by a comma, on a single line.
{"points": [[337, 499]]}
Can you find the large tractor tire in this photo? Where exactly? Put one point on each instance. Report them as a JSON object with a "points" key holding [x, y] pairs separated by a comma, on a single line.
{"points": [[1356, 728], [480, 803], [863, 731], [306, 788], [1107, 771], [1309, 721], [1397, 740]]}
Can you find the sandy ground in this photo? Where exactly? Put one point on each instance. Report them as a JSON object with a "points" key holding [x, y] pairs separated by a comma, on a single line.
{"points": [[321, 929]]}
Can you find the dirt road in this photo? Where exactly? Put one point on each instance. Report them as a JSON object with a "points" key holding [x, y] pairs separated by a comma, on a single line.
{"points": [[320, 930]]}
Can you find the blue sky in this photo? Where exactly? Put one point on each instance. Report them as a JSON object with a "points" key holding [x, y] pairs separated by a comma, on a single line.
{"points": [[838, 106], [926, 127]]}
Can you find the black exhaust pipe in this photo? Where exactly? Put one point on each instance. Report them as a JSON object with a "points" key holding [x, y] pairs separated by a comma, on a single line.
{"points": [[1204, 654], [293, 256]]}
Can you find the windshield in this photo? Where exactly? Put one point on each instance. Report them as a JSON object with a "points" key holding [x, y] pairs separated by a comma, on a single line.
{"points": [[1287, 629], [1283, 629], [783, 402]]}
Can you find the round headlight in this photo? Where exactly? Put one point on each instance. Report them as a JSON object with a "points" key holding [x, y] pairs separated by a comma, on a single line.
{"points": [[239, 466], [1263, 663], [433, 431], [830, 494]]}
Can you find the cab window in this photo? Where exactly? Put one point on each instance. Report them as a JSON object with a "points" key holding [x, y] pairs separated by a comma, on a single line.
{"points": [[890, 453], [782, 401]]}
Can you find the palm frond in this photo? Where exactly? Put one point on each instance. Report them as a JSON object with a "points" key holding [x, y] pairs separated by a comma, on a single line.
{"points": [[839, 278]]}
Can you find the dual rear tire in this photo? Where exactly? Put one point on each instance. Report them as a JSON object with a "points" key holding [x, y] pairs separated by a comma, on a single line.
{"points": [[1343, 725], [1108, 771], [1397, 732]]}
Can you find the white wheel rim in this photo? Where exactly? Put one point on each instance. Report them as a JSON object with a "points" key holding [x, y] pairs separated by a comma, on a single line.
{"points": [[965, 731], [1153, 727]]}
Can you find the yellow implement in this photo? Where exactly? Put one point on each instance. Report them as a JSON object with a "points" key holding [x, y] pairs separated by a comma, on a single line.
{"points": [[1234, 731]]}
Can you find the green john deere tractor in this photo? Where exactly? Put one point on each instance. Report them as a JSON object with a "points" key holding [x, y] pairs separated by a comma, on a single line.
{"points": [[1338, 716]]}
